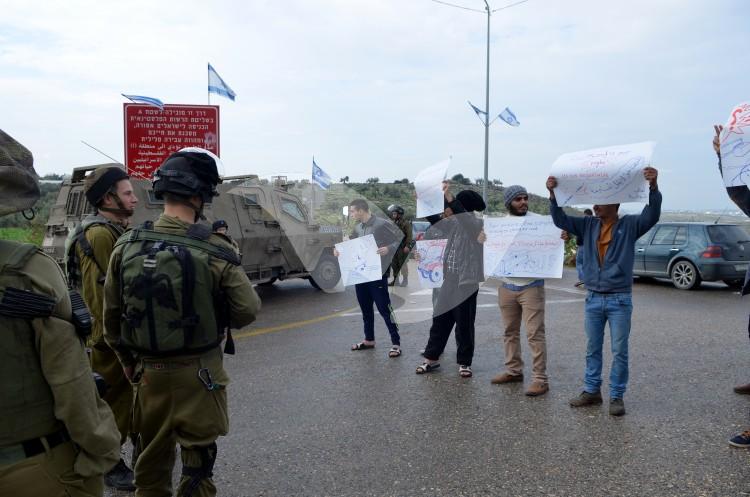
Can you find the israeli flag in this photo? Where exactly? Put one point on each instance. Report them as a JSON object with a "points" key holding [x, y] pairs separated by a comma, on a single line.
{"points": [[218, 86], [320, 177], [145, 100], [479, 112], [509, 117]]}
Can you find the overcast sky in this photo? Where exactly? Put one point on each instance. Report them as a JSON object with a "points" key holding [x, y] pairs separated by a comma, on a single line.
{"points": [[379, 87]]}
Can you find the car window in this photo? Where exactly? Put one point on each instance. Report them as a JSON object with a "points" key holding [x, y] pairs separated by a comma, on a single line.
{"points": [[290, 207], [665, 235], [727, 234], [681, 236], [646, 237]]}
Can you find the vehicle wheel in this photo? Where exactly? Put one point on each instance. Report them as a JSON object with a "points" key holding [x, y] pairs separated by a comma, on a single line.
{"points": [[734, 284], [685, 276], [327, 273], [269, 282]]}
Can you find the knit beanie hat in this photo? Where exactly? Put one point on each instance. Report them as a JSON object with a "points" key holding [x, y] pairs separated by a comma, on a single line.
{"points": [[512, 192]]}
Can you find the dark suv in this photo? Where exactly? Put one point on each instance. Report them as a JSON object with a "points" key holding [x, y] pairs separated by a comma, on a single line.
{"points": [[688, 253]]}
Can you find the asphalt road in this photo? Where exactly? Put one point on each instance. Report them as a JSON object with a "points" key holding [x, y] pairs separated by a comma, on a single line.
{"points": [[309, 417]]}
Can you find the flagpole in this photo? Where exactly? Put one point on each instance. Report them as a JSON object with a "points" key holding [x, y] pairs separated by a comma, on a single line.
{"points": [[208, 84], [312, 192], [487, 110]]}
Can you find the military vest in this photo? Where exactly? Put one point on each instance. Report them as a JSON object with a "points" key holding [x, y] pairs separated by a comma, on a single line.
{"points": [[26, 400], [168, 305]]}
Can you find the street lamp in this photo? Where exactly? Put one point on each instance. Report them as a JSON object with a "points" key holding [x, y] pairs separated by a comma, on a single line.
{"points": [[486, 121]]}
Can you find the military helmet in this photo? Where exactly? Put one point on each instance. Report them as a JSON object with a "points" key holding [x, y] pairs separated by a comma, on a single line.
{"points": [[19, 183], [188, 172], [396, 208], [219, 224], [100, 181]]}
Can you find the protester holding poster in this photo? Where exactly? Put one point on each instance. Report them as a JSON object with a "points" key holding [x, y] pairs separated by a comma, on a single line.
{"points": [[388, 238], [522, 299], [740, 195], [463, 270], [609, 241]]}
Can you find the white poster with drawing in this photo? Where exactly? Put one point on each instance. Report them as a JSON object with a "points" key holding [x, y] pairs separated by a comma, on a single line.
{"points": [[610, 175], [429, 187], [735, 147], [523, 246], [430, 266], [359, 260]]}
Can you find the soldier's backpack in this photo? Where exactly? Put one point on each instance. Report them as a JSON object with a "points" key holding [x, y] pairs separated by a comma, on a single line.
{"points": [[15, 300], [169, 306], [77, 238]]}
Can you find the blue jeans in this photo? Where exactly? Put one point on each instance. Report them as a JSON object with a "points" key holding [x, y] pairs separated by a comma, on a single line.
{"points": [[376, 292], [617, 308], [579, 262]]}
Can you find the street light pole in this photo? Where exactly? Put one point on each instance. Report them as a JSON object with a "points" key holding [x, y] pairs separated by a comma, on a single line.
{"points": [[487, 110]]}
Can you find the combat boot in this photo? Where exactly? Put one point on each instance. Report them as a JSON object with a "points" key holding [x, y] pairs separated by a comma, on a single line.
{"points": [[120, 477], [586, 399]]}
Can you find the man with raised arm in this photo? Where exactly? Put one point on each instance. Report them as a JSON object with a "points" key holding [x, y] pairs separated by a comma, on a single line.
{"points": [[609, 242]]}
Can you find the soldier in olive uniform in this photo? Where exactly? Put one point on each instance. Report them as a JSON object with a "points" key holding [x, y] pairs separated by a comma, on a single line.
{"points": [[221, 228], [401, 257], [109, 191], [180, 397], [57, 437]]}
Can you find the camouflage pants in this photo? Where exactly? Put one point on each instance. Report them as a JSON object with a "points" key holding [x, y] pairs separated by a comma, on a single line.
{"points": [[49, 474], [119, 394], [400, 264], [172, 406]]}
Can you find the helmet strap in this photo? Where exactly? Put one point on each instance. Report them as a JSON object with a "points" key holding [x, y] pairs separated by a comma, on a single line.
{"points": [[120, 211]]}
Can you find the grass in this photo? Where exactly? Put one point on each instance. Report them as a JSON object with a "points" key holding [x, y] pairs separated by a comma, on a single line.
{"points": [[32, 234]]}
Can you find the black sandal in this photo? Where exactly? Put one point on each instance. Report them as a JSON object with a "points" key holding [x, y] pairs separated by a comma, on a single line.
{"points": [[427, 367], [362, 346]]}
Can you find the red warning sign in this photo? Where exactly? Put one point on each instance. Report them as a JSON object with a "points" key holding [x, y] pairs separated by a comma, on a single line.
{"points": [[151, 135]]}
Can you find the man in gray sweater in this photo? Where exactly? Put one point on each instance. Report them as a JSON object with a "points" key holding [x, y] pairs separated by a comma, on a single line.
{"points": [[608, 275]]}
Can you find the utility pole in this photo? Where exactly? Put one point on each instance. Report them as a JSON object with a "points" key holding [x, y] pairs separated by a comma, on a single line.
{"points": [[486, 121], [487, 110]]}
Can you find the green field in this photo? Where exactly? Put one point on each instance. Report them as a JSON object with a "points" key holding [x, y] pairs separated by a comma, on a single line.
{"points": [[33, 234]]}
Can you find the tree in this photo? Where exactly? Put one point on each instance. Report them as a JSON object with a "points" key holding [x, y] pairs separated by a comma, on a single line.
{"points": [[344, 180], [479, 181], [497, 182], [373, 181], [460, 179]]}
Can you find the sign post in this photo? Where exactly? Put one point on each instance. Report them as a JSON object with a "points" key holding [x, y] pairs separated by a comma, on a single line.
{"points": [[151, 134]]}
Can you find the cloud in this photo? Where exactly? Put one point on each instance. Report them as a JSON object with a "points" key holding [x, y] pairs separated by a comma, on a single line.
{"points": [[381, 86]]}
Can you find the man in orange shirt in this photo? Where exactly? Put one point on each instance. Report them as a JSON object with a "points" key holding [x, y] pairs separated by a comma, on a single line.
{"points": [[608, 275]]}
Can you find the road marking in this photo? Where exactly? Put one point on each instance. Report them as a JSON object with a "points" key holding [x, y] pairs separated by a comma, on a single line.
{"points": [[295, 324], [429, 309], [352, 312]]}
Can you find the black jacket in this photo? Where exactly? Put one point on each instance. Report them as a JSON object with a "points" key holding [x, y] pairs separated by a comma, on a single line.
{"points": [[740, 195]]}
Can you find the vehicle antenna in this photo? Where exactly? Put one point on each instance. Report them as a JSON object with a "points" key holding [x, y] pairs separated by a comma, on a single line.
{"points": [[721, 215], [105, 155]]}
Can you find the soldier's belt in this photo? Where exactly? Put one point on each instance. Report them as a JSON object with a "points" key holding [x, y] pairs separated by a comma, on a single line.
{"points": [[172, 364], [12, 454]]}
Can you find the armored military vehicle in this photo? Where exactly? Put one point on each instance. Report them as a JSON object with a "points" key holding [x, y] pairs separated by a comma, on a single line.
{"points": [[276, 236]]}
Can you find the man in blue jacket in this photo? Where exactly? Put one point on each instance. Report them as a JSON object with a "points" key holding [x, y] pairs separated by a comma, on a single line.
{"points": [[609, 241]]}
